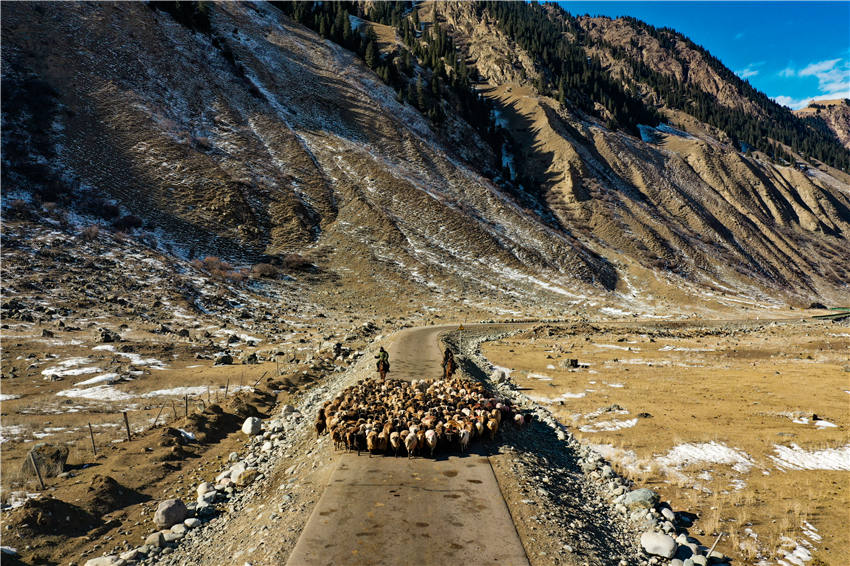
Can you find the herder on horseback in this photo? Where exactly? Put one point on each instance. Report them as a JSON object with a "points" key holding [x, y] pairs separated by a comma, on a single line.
{"points": [[449, 364], [383, 364]]}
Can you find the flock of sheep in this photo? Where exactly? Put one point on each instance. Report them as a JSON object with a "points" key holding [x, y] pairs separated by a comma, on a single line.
{"points": [[413, 417]]}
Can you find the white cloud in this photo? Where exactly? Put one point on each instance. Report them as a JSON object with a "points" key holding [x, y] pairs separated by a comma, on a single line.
{"points": [[797, 103], [750, 70], [791, 103], [833, 77], [818, 68]]}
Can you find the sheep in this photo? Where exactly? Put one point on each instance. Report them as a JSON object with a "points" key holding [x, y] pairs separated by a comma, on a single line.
{"points": [[492, 428], [410, 442], [395, 442], [431, 441], [463, 437], [377, 416], [371, 442]]}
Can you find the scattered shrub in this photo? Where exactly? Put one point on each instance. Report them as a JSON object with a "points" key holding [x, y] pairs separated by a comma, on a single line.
{"points": [[297, 262], [203, 143], [266, 270], [90, 232], [149, 240], [18, 206], [220, 269], [128, 222]]}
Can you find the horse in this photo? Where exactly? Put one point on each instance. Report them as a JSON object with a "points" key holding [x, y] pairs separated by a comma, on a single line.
{"points": [[383, 368], [449, 368]]}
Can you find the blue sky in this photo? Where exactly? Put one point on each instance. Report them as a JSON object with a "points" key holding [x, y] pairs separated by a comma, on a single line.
{"points": [[794, 52]]}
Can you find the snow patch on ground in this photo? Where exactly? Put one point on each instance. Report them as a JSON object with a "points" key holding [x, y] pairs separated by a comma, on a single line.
{"points": [[134, 359], [177, 392], [17, 499], [9, 432], [69, 367], [611, 311], [97, 393], [711, 452], [103, 378], [615, 347], [8, 396], [670, 348], [552, 400], [795, 458], [608, 426]]}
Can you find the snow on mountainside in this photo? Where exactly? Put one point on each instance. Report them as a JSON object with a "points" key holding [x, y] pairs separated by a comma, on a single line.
{"points": [[261, 139]]}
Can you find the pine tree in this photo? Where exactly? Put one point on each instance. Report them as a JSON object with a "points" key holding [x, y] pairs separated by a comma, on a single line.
{"points": [[371, 55], [421, 100]]}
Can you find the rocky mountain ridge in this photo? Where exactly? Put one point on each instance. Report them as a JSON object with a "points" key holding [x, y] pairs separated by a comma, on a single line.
{"points": [[259, 139], [833, 114]]}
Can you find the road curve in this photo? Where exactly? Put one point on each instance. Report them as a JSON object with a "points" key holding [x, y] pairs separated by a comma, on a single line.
{"points": [[385, 511]]}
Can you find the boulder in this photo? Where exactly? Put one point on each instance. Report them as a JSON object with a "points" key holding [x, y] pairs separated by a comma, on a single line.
{"points": [[170, 512], [50, 458], [107, 336], [658, 544], [246, 477], [237, 469], [208, 497], [192, 522], [104, 561], [224, 360], [132, 554], [155, 540], [287, 409], [205, 487], [252, 426], [642, 498]]}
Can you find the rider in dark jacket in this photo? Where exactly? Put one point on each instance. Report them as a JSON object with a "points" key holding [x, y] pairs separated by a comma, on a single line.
{"points": [[382, 356]]}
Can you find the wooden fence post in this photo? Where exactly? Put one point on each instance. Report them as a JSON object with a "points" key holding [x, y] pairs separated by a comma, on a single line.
{"points": [[91, 435], [37, 471], [157, 415], [126, 424], [258, 380]]}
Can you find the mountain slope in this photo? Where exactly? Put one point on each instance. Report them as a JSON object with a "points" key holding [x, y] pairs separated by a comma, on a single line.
{"points": [[256, 139], [834, 115]]}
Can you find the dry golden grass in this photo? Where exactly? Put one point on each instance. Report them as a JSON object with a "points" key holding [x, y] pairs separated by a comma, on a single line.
{"points": [[741, 388]]}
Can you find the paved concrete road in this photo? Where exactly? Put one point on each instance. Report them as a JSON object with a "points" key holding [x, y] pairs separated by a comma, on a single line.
{"points": [[385, 511]]}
